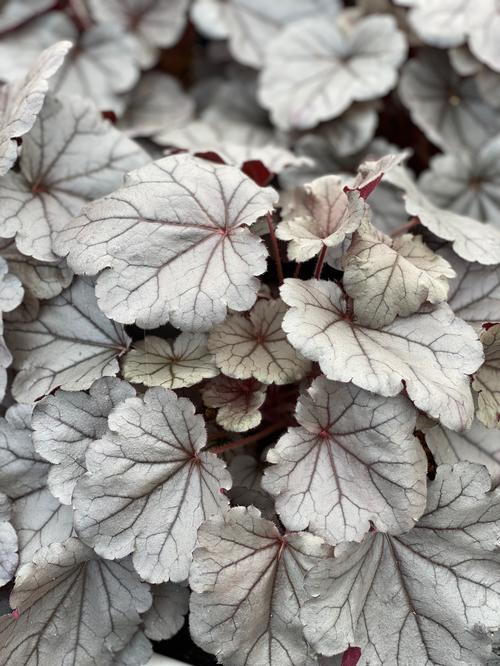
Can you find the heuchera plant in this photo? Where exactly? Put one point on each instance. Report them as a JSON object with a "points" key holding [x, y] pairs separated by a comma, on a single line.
{"points": [[250, 364]]}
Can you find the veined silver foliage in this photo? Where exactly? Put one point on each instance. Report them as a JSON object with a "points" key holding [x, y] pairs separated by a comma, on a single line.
{"points": [[250, 332]]}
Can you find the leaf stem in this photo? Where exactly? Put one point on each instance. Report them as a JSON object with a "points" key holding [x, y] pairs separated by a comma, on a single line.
{"points": [[320, 262], [414, 222], [296, 272], [273, 427], [276, 248]]}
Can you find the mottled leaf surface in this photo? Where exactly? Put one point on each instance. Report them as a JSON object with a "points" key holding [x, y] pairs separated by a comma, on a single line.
{"points": [[69, 345], [432, 352], [353, 461], [424, 597], [248, 587], [173, 364], [176, 243], [149, 485]]}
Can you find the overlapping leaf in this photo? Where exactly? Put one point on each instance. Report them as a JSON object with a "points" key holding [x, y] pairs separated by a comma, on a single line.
{"points": [[471, 240], [431, 352], [387, 278], [11, 289], [21, 101], [487, 379], [8, 542], [58, 175], [149, 485], [173, 364], [156, 103], [64, 424], [69, 345], [40, 279], [103, 63], [467, 184], [428, 596], [319, 215], [316, 68], [477, 445], [251, 24], [37, 516], [176, 243], [235, 143], [166, 615], [154, 23], [475, 292], [446, 107], [237, 401], [73, 606], [353, 461], [256, 346], [248, 587]]}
